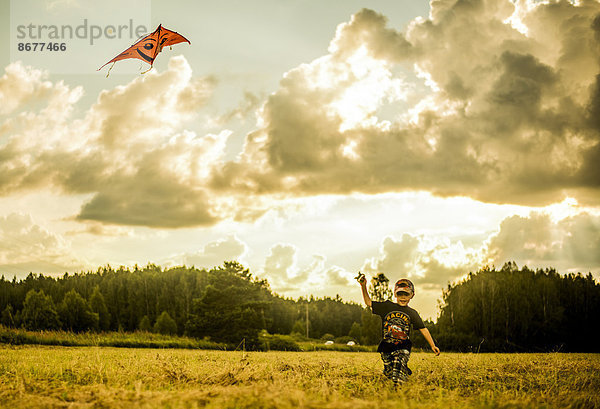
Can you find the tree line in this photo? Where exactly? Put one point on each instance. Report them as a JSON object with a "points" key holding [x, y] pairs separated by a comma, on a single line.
{"points": [[507, 309], [223, 304], [518, 310]]}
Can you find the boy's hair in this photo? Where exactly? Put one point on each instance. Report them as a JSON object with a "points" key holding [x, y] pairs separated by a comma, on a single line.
{"points": [[404, 283]]}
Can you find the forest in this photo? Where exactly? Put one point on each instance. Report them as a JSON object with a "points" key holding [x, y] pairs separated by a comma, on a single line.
{"points": [[507, 309], [519, 310]]}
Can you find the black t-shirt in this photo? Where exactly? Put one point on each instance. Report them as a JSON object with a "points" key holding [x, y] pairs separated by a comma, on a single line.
{"points": [[397, 323]]}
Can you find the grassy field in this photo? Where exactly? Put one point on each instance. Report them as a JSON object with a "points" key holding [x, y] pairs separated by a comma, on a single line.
{"points": [[96, 377]]}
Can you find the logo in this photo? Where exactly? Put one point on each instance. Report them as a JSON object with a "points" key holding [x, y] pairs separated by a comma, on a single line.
{"points": [[75, 37], [396, 327]]}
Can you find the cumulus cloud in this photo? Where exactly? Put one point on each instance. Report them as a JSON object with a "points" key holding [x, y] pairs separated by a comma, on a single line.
{"points": [[496, 100], [281, 259], [569, 244], [21, 86], [129, 150], [22, 240], [509, 117], [538, 240], [286, 276], [429, 261], [216, 252]]}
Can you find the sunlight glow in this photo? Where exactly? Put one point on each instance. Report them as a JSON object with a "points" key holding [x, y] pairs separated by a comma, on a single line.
{"points": [[371, 84], [569, 207]]}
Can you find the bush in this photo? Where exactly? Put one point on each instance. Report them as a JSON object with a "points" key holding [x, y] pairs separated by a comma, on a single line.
{"points": [[13, 336], [328, 337], [278, 343], [344, 340], [311, 346], [298, 337]]}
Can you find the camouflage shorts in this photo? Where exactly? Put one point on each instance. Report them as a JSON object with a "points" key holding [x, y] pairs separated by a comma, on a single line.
{"points": [[395, 365]]}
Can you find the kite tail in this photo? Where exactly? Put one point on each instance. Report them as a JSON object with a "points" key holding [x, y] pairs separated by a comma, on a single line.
{"points": [[143, 72], [113, 64]]}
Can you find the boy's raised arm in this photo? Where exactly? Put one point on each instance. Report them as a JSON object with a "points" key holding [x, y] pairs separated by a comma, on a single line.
{"points": [[363, 286]]}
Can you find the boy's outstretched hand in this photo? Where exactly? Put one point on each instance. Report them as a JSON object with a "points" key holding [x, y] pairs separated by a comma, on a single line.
{"points": [[436, 350], [361, 278]]}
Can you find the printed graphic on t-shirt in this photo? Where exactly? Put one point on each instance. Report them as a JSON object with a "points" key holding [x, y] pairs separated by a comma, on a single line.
{"points": [[396, 327]]}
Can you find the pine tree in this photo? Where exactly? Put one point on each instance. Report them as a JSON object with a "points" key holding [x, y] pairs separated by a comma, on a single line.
{"points": [[8, 317], [98, 306]]}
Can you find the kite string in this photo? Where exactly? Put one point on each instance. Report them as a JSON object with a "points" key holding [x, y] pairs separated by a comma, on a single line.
{"points": [[113, 64]]}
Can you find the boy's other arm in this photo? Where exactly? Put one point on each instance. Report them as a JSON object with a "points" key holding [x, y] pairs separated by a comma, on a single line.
{"points": [[365, 293], [429, 339]]}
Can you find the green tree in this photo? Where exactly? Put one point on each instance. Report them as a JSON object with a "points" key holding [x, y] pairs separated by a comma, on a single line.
{"points": [[8, 317], [514, 309], [39, 312], [299, 327], [98, 306], [379, 288], [145, 324], [232, 307], [355, 331], [370, 328], [165, 324], [76, 314]]}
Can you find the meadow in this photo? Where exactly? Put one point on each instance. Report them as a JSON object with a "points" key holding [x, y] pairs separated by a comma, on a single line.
{"points": [[104, 377]]}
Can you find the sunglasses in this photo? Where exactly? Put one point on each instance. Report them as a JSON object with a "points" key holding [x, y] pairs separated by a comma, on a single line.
{"points": [[404, 289]]}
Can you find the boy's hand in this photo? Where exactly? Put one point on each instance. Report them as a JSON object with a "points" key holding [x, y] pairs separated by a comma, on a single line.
{"points": [[361, 278], [436, 350]]}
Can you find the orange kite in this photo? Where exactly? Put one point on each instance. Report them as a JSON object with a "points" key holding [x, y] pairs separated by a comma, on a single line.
{"points": [[148, 47]]}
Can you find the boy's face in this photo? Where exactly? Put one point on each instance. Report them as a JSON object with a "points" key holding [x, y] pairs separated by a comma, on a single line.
{"points": [[403, 298], [404, 292]]}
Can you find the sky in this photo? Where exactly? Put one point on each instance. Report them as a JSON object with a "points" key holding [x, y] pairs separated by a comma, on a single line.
{"points": [[306, 139]]}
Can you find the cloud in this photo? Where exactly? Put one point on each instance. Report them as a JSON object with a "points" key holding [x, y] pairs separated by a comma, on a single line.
{"points": [[23, 86], [129, 150], [217, 252], [248, 106], [427, 260], [509, 121], [337, 276], [22, 240], [513, 120], [568, 241], [99, 229], [538, 241], [163, 188], [286, 276], [280, 266]]}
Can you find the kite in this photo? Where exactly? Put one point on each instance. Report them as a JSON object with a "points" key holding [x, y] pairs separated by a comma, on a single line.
{"points": [[148, 47]]}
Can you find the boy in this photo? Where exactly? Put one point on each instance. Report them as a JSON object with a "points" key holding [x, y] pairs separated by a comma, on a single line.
{"points": [[397, 319]]}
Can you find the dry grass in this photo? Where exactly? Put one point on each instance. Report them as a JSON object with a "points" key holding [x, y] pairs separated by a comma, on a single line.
{"points": [[94, 377]]}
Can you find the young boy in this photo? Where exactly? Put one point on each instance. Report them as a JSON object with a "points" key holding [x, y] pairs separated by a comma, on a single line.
{"points": [[397, 320]]}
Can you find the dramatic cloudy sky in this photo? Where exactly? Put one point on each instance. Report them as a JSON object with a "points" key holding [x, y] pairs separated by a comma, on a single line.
{"points": [[306, 139]]}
